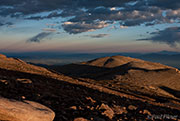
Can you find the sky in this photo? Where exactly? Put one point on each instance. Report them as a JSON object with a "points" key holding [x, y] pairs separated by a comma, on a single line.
{"points": [[89, 25]]}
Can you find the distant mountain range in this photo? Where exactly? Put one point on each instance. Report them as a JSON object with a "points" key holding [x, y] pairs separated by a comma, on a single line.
{"points": [[167, 59], [170, 58]]}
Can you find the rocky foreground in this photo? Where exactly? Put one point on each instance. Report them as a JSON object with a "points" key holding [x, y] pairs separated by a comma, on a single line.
{"points": [[84, 92], [12, 110]]}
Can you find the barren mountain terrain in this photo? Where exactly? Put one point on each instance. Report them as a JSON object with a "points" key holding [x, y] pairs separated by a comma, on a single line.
{"points": [[106, 89]]}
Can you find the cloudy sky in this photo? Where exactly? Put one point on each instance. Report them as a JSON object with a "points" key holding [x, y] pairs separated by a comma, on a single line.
{"points": [[89, 25]]}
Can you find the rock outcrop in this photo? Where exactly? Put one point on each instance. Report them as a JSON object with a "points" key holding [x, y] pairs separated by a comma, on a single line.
{"points": [[11, 110], [2, 56], [106, 110]]}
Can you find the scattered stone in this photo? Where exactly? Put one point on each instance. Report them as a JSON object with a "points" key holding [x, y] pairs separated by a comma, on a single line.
{"points": [[146, 112], [24, 81], [4, 81], [80, 119], [90, 99], [73, 107], [38, 95], [125, 118], [88, 107], [80, 108], [23, 97], [119, 110], [11, 110], [92, 108], [119, 119], [151, 87], [107, 111], [177, 71], [132, 107]]}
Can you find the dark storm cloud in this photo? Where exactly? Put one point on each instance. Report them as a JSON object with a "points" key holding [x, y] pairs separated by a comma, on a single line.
{"points": [[36, 6], [85, 13], [170, 36], [79, 27], [1, 24], [51, 15], [7, 24], [73, 6], [170, 4], [40, 37], [126, 18]]}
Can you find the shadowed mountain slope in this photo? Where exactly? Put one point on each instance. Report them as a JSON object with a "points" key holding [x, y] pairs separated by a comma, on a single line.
{"points": [[125, 73]]}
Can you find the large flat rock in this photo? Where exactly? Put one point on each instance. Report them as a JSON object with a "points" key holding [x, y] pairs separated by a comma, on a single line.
{"points": [[12, 110]]}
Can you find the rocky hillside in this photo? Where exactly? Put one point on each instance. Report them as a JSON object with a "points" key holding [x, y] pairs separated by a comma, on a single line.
{"points": [[127, 75], [19, 65], [80, 92], [115, 61]]}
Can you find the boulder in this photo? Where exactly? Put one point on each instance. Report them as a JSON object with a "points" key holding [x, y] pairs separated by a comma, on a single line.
{"points": [[12, 110], [107, 111]]}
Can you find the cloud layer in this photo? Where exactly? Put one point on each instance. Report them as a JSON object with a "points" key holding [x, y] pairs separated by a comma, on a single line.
{"points": [[127, 12], [98, 35], [170, 36], [90, 15], [79, 27], [39, 37]]}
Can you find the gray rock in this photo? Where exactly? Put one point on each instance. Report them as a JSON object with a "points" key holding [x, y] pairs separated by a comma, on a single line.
{"points": [[11, 110]]}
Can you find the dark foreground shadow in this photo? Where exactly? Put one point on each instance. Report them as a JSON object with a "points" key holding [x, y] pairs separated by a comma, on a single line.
{"points": [[60, 96], [175, 93], [95, 72]]}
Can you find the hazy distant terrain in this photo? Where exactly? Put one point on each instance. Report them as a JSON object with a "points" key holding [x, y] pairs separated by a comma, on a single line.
{"points": [[54, 58], [171, 60]]}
